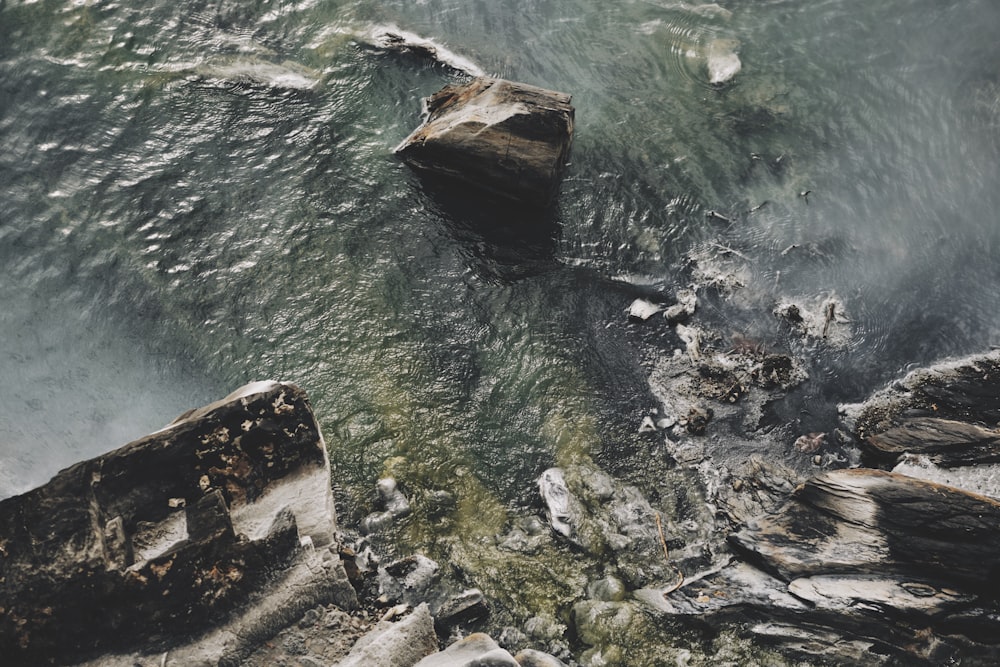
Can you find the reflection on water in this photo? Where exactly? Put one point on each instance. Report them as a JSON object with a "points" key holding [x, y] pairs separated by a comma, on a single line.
{"points": [[198, 196]]}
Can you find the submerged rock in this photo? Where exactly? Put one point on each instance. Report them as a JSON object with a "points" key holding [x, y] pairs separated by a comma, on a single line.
{"points": [[392, 38], [558, 502], [395, 503], [411, 580], [215, 526], [722, 61], [507, 138]]}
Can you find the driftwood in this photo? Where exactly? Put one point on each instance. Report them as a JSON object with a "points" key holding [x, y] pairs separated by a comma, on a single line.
{"points": [[172, 535], [507, 138]]}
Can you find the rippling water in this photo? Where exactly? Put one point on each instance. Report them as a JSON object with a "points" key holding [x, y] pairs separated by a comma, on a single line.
{"points": [[195, 195]]}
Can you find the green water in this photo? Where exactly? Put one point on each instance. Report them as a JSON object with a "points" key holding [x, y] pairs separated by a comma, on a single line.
{"points": [[194, 195]]}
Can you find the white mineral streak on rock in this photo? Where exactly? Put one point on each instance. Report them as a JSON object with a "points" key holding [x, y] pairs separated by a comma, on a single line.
{"points": [[307, 493], [489, 109], [552, 486], [721, 59], [843, 592]]}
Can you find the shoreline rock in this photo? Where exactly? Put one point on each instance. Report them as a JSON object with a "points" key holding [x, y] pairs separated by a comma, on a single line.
{"points": [[215, 529]]}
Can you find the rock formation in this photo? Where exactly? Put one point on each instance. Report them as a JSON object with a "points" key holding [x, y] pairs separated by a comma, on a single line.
{"points": [[213, 530], [866, 566], [507, 138]]}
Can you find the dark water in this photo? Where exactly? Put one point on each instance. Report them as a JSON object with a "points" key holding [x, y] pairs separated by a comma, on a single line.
{"points": [[198, 194]]}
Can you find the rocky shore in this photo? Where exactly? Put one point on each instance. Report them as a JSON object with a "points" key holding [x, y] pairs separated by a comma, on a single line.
{"points": [[740, 538], [214, 542]]}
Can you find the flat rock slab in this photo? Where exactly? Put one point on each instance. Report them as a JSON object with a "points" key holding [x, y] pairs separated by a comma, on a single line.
{"points": [[963, 389], [172, 535], [945, 442], [873, 522], [507, 138]]}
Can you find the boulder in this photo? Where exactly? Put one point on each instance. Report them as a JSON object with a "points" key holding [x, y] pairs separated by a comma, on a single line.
{"points": [[174, 535], [400, 644], [507, 138], [476, 650]]}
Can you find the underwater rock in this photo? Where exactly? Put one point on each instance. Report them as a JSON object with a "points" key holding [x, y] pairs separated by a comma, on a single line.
{"points": [[642, 309], [507, 138], [821, 319], [411, 580], [722, 62], [395, 503], [466, 607], [608, 589], [555, 494], [391, 38], [216, 526]]}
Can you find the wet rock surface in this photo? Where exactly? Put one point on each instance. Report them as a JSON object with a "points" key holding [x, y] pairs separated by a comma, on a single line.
{"points": [[173, 534], [859, 566], [867, 566], [507, 138]]}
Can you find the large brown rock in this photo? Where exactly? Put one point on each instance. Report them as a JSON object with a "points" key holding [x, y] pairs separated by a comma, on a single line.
{"points": [[508, 138], [204, 525]]}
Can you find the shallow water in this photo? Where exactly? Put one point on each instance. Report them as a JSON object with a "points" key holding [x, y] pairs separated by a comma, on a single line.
{"points": [[196, 195]]}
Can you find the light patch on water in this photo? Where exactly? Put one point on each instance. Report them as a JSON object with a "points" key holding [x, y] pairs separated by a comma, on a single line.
{"points": [[391, 37], [74, 389], [284, 75]]}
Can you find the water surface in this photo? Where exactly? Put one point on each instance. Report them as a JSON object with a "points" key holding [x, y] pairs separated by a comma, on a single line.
{"points": [[196, 195]]}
